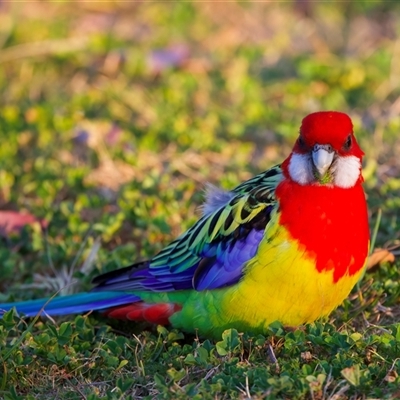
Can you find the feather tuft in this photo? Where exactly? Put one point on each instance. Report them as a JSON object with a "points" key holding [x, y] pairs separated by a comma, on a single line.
{"points": [[215, 199]]}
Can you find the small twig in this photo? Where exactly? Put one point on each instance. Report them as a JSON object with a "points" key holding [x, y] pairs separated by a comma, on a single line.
{"points": [[392, 368], [370, 325], [42, 48], [273, 358], [375, 231], [340, 392], [78, 255], [48, 254], [246, 388], [209, 374], [329, 381], [77, 389], [88, 263]]}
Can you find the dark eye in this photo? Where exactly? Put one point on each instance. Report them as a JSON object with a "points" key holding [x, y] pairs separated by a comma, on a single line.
{"points": [[348, 143], [302, 143]]}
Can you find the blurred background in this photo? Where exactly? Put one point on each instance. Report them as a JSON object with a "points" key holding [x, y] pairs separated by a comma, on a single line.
{"points": [[113, 116]]}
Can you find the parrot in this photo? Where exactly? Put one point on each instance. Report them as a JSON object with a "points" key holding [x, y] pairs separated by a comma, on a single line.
{"points": [[286, 246]]}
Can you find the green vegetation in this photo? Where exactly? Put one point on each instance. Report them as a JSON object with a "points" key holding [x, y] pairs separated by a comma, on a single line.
{"points": [[113, 115]]}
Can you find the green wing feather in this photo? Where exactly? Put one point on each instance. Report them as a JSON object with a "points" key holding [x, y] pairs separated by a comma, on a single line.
{"points": [[247, 201]]}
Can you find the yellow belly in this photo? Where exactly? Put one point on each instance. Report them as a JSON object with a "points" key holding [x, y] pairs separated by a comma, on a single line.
{"points": [[283, 284]]}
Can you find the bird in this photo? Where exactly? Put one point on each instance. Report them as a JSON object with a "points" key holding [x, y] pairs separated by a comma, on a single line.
{"points": [[286, 246]]}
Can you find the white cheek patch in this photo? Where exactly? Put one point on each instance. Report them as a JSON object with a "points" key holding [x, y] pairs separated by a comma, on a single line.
{"points": [[347, 171], [300, 168], [215, 198]]}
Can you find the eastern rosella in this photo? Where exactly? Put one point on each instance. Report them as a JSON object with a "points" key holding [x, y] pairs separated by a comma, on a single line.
{"points": [[287, 245]]}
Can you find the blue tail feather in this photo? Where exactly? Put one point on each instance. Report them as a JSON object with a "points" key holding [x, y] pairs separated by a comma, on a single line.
{"points": [[72, 304]]}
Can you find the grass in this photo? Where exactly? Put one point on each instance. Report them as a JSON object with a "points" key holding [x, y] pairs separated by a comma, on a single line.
{"points": [[114, 115]]}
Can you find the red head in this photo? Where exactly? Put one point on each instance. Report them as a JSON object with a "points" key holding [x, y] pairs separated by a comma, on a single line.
{"points": [[332, 128], [326, 152]]}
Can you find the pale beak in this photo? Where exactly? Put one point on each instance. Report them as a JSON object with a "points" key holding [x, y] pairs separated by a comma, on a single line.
{"points": [[322, 156]]}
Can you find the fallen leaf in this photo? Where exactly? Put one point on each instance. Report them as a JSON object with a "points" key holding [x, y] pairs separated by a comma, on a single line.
{"points": [[113, 135], [378, 257], [14, 221], [352, 375], [306, 356], [111, 174], [391, 376]]}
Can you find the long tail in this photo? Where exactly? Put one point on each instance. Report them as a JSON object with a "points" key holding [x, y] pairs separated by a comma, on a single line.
{"points": [[72, 304], [116, 305]]}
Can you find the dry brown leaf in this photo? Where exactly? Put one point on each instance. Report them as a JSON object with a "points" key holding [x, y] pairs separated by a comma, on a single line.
{"points": [[111, 174], [391, 376], [12, 222], [378, 257]]}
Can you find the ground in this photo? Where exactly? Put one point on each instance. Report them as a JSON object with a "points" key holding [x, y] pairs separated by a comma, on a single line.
{"points": [[114, 115]]}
